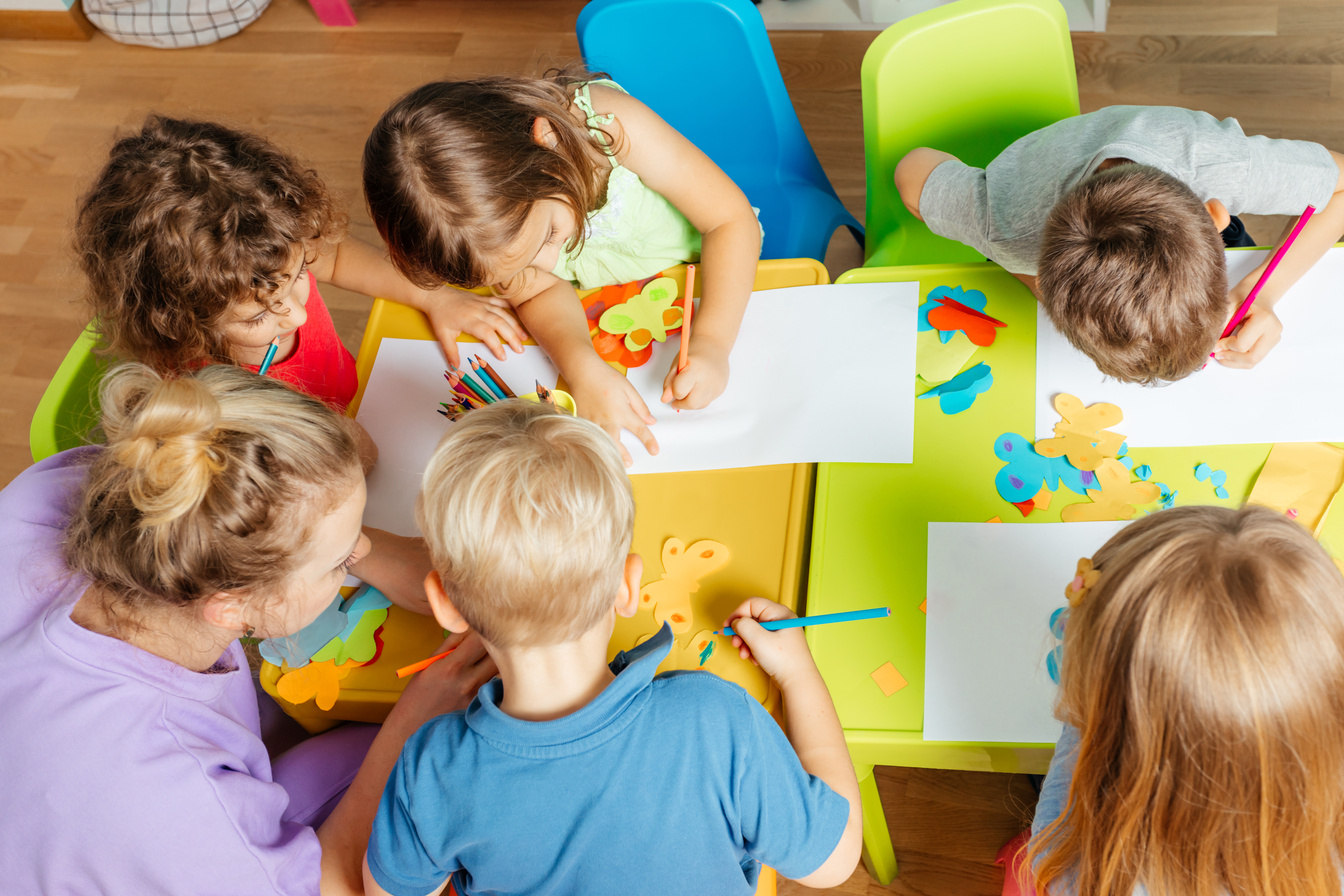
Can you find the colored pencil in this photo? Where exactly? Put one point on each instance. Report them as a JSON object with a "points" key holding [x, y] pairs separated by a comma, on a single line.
{"points": [[498, 381], [485, 394], [467, 388], [1273, 263], [823, 619], [544, 394], [687, 312], [487, 381], [270, 356], [422, 665]]}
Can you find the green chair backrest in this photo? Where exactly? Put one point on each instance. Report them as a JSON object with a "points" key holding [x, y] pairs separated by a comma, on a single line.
{"points": [[68, 412], [968, 78]]}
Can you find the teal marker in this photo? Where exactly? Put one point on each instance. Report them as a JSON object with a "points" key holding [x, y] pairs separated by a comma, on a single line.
{"points": [[824, 619]]}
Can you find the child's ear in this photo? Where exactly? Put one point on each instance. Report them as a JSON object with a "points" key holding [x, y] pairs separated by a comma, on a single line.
{"points": [[627, 601], [444, 612], [543, 132], [1219, 213], [227, 611]]}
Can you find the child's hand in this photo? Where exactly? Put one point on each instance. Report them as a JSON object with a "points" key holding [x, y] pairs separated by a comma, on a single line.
{"points": [[783, 654], [703, 380], [396, 565], [609, 400], [453, 311], [1258, 332]]}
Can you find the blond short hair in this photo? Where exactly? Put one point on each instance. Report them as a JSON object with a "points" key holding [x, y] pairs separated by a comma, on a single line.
{"points": [[529, 515], [1132, 272], [1205, 673]]}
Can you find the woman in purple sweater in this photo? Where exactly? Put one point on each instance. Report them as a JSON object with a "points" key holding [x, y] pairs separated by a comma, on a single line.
{"points": [[223, 505]]}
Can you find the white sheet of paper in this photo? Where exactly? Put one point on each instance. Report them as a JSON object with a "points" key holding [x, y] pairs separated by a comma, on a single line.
{"points": [[1276, 401], [398, 409], [818, 373], [991, 590]]}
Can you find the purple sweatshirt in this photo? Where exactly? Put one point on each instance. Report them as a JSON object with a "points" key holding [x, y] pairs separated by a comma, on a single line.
{"points": [[122, 772]]}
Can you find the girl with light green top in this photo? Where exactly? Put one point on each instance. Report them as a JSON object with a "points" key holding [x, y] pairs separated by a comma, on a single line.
{"points": [[535, 185]]}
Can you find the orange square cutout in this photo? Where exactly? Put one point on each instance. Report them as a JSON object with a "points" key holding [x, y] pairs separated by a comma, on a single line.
{"points": [[888, 679]]}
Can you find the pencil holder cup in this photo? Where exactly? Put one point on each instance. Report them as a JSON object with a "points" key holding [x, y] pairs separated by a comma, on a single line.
{"points": [[563, 400]]}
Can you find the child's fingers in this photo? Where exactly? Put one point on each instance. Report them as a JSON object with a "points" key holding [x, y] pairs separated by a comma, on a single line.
{"points": [[642, 432], [491, 341], [448, 339]]}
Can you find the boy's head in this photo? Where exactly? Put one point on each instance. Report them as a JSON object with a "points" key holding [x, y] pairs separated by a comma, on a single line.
{"points": [[528, 513], [192, 227], [1132, 272]]}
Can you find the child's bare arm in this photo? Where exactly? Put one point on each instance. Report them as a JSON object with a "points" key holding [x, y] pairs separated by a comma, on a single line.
{"points": [[913, 171], [551, 311], [355, 265], [731, 237], [396, 565], [1261, 330], [812, 724]]}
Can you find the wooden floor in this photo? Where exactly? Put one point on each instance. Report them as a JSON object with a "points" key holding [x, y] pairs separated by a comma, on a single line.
{"points": [[1276, 66]]}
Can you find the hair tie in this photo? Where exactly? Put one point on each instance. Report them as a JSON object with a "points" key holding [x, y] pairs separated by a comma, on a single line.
{"points": [[1083, 581]]}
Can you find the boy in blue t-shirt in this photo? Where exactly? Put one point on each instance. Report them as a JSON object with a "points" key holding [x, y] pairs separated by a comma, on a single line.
{"points": [[571, 775]]}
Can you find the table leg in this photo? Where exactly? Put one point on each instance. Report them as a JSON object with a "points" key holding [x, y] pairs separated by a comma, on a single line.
{"points": [[878, 855]]}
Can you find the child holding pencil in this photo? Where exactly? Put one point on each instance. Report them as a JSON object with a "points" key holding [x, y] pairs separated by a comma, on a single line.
{"points": [[536, 185], [571, 775], [1118, 219]]}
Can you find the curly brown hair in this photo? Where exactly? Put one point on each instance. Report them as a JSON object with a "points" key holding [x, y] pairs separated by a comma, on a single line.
{"points": [[186, 220], [1132, 273], [451, 171]]}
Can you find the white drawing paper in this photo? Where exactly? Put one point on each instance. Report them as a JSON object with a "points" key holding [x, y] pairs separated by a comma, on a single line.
{"points": [[1276, 401], [991, 590]]}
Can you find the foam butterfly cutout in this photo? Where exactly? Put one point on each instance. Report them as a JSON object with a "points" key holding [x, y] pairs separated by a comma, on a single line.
{"points": [[670, 596], [320, 681], [968, 298], [1114, 499], [1081, 435], [952, 315], [646, 317], [958, 393], [1027, 472]]}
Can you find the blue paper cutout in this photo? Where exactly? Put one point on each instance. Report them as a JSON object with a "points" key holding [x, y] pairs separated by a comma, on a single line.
{"points": [[1221, 492], [1127, 461], [1167, 495], [958, 393], [1122, 451], [295, 649], [973, 298], [1143, 471], [1218, 478], [1027, 472]]}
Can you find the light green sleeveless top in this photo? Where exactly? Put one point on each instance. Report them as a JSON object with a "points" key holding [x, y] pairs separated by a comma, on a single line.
{"points": [[636, 234]]}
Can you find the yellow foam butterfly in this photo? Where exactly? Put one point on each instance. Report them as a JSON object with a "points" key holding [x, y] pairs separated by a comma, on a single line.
{"points": [[670, 597], [645, 317]]}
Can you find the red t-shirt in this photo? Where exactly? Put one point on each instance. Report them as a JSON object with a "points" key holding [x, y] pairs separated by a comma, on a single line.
{"points": [[320, 364]]}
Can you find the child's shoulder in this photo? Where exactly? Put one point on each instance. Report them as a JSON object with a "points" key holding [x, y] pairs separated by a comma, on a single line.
{"points": [[702, 693]]}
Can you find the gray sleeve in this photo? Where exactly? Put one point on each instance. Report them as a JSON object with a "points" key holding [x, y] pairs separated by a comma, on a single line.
{"points": [[1283, 177], [955, 204]]}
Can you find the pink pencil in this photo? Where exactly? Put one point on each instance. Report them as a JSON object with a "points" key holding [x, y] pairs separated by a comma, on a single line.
{"points": [[1273, 263]]}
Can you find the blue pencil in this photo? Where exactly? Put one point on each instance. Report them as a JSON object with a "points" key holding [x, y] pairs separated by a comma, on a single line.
{"points": [[471, 381], [823, 619], [489, 383], [270, 356]]}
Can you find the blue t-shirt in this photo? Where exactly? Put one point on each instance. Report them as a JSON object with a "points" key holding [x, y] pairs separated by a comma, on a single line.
{"points": [[676, 783]]}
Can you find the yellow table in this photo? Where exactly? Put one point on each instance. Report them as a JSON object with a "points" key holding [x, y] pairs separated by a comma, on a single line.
{"points": [[760, 513]]}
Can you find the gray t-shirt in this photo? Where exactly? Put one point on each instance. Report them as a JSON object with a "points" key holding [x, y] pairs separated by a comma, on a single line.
{"points": [[1001, 210]]}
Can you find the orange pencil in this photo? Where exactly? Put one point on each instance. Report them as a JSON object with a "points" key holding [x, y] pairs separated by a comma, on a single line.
{"points": [[686, 314], [422, 665]]}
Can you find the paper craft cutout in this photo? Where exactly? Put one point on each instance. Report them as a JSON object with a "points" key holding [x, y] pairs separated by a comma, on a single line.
{"points": [[1217, 477], [1081, 435], [974, 299], [958, 393], [924, 604], [670, 597], [1144, 472], [1301, 476], [610, 347], [365, 612], [1025, 507], [888, 679], [646, 317], [1116, 497], [297, 649], [320, 681], [952, 315], [1042, 499], [1166, 495], [937, 361], [993, 519], [1027, 472]]}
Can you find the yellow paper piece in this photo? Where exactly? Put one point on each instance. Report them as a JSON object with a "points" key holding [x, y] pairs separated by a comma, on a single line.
{"points": [[683, 568], [1300, 476], [1115, 499], [1082, 435], [924, 606], [936, 361], [994, 519], [888, 679], [1042, 499], [320, 681]]}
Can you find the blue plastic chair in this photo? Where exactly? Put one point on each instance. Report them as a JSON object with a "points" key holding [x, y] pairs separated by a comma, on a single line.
{"points": [[707, 68]]}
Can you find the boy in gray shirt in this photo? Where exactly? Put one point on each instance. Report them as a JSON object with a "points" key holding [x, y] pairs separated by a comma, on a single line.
{"points": [[1117, 221]]}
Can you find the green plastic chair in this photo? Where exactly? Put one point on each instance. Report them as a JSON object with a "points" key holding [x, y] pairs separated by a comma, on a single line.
{"points": [[68, 412], [968, 78]]}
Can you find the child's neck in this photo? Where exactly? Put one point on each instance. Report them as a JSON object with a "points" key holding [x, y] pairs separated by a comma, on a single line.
{"points": [[544, 683]]}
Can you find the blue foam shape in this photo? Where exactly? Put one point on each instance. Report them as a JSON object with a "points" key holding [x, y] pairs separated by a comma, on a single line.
{"points": [[365, 599], [1202, 472], [970, 298], [1143, 471], [1127, 461], [297, 648], [1124, 449], [1221, 492], [958, 393]]}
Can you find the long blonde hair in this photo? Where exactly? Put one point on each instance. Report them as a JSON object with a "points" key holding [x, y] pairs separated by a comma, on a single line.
{"points": [[204, 486], [1205, 673]]}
